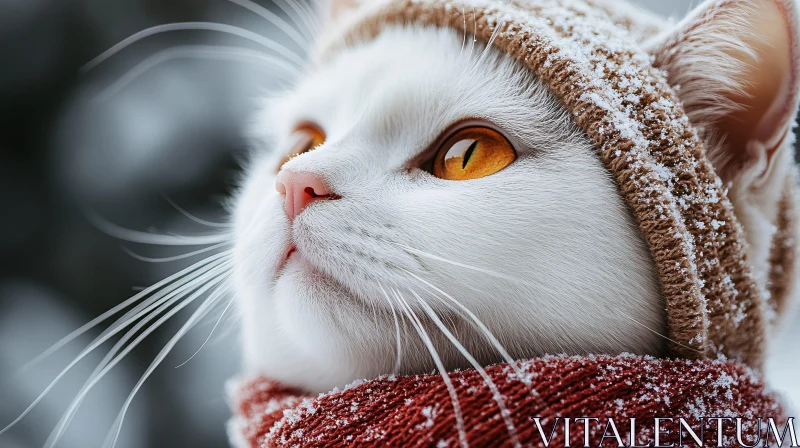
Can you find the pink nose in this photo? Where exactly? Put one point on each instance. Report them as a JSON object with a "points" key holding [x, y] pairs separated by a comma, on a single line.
{"points": [[300, 190]]}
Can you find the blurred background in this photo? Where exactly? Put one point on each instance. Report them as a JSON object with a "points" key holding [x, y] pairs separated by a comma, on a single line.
{"points": [[73, 142]]}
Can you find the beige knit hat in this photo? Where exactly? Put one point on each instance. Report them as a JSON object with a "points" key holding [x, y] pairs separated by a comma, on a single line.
{"points": [[589, 54]]}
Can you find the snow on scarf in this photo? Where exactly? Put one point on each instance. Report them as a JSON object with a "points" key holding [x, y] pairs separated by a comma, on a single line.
{"points": [[418, 411]]}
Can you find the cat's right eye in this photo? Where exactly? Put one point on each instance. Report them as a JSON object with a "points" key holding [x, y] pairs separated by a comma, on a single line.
{"points": [[306, 137], [473, 152]]}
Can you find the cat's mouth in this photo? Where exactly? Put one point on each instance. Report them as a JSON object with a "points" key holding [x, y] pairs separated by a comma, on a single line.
{"points": [[289, 252], [296, 266]]}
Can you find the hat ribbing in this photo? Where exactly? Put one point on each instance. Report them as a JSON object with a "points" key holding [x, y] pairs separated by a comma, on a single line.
{"points": [[590, 57]]}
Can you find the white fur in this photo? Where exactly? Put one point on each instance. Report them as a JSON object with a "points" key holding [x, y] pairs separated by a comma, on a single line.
{"points": [[576, 274], [544, 252]]}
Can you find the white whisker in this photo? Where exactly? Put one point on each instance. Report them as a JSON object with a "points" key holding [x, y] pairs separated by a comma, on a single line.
{"points": [[175, 258], [398, 338], [207, 284], [487, 50], [464, 40], [106, 335], [164, 295], [517, 280], [660, 334], [466, 266], [300, 13], [133, 236], [105, 316], [474, 31], [512, 431], [201, 26], [148, 315], [194, 218], [417, 324], [214, 52], [484, 329], [272, 18], [111, 441], [211, 333]]}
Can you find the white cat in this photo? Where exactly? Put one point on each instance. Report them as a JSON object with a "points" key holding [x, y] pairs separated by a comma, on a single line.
{"points": [[421, 202], [340, 249]]}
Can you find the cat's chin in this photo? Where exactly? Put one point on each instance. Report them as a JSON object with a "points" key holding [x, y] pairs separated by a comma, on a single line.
{"points": [[299, 330], [299, 279]]}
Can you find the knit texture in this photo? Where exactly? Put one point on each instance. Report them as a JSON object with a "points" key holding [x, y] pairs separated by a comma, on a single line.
{"points": [[418, 411], [590, 57], [783, 260]]}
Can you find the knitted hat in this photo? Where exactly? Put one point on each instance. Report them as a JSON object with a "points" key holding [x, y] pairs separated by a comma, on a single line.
{"points": [[591, 58]]}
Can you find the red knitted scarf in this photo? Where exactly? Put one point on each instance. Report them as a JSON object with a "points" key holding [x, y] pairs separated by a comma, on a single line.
{"points": [[539, 395]]}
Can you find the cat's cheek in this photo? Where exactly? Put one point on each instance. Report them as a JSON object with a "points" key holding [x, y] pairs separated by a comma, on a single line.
{"points": [[286, 341], [303, 312]]}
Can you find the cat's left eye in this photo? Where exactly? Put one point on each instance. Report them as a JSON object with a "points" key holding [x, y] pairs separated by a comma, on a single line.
{"points": [[473, 152], [306, 137]]}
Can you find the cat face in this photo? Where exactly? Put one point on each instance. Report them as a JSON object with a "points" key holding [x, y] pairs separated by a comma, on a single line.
{"points": [[543, 251], [445, 211]]}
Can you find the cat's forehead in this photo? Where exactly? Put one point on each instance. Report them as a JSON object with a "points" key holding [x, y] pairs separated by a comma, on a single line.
{"points": [[404, 85]]}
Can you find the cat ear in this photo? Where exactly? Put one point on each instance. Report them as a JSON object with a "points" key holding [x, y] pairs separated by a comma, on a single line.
{"points": [[735, 65]]}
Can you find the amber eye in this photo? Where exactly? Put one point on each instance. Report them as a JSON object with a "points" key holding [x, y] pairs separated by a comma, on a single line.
{"points": [[305, 137], [473, 152]]}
